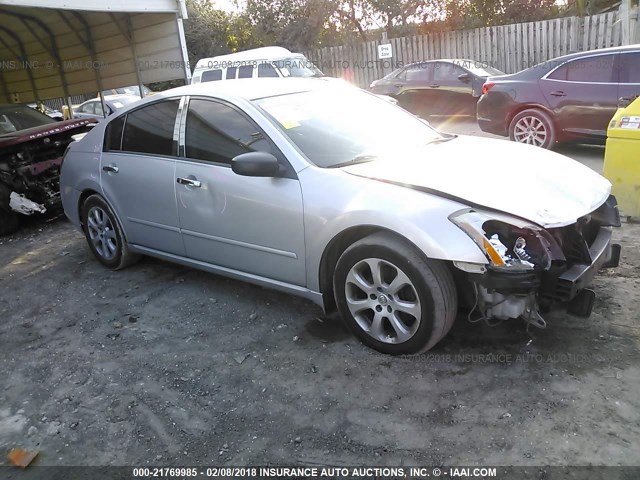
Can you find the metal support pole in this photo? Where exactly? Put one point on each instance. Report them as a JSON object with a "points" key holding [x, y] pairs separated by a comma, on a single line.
{"points": [[134, 51], [185, 54]]}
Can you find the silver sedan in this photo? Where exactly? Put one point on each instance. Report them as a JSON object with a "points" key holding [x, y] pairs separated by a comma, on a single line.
{"points": [[325, 191]]}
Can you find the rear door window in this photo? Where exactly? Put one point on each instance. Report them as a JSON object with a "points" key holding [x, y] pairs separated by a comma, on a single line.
{"points": [[150, 129], [597, 69], [113, 134], [212, 75]]}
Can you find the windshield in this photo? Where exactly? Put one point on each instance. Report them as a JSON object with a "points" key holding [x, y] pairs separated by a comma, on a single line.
{"points": [[297, 67], [14, 118], [332, 126]]}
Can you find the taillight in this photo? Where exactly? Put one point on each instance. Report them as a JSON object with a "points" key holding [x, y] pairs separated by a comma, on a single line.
{"points": [[487, 86]]}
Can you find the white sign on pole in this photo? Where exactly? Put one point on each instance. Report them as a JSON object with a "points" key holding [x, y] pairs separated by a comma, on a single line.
{"points": [[384, 51]]}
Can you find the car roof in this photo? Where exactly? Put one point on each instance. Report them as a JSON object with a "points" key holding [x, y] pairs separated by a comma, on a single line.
{"points": [[253, 88], [624, 48], [457, 61], [262, 53]]}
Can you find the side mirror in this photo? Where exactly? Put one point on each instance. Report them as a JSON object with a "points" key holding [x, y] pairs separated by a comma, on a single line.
{"points": [[464, 77], [255, 164]]}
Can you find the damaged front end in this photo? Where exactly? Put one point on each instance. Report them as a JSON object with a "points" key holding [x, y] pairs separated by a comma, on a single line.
{"points": [[532, 269], [30, 170]]}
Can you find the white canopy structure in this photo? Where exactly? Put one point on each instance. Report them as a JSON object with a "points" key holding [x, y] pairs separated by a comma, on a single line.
{"points": [[59, 48]]}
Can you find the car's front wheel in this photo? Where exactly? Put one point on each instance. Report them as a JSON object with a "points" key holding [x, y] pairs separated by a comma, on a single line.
{"points": [[391, 297], [533, 127], [104, 235]]}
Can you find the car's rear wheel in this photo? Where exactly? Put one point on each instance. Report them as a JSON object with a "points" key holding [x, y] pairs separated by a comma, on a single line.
{"points": [[104, 235], [391, 297], [533, 127]]}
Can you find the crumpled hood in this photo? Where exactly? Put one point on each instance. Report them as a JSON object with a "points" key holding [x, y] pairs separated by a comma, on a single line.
{"points": [[532, 183]]}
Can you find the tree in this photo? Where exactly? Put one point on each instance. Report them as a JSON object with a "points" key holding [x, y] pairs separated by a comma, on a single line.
{"points": [[295, 24], [484, 13]]}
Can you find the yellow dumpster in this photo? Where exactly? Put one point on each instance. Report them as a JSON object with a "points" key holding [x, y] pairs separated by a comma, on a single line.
{"points": [[622, 158]]}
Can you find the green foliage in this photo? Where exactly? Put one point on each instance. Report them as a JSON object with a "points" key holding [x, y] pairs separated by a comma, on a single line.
{"points": [[462, 14], [303, 25]]}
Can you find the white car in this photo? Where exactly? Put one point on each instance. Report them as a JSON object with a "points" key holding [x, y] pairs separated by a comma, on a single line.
{"points": [[93, 108], [323, 190], [264, 62]]}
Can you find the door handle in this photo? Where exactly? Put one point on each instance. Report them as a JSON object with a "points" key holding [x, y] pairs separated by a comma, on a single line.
{"points": [[434, 86], [558, 93], [189, 182], [397, 85], [110, 169]]}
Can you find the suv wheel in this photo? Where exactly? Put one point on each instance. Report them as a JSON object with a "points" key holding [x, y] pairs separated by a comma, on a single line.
{"points": [[533, 127], [104, 235], [391, 297]]}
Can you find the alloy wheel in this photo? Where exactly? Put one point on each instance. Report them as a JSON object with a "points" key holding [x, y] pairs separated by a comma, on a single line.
{"points": [[530, 130], [101, 233], [383, 300]]}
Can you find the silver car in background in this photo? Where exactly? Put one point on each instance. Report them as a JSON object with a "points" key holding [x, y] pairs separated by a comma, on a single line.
{"points": [[93, 108], [325, 191]]}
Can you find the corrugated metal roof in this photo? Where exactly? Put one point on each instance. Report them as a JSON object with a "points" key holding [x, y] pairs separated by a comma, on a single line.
{"points": [[79, 47]]}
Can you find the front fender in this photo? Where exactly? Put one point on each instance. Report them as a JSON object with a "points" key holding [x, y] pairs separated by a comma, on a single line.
{"points": [[419, 217]]}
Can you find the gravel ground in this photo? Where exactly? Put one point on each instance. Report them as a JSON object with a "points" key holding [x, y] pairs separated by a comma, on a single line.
{"points": [[161, 364]]}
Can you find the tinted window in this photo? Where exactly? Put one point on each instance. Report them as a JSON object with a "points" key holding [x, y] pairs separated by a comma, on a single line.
{"points": [[419, 72], [447, 73], [98, 109], [211, 75], [113, 134], [593, 70], [246, 71], [266, 70], [231, 73], [150, 129], [630, 67], [217, 133]]}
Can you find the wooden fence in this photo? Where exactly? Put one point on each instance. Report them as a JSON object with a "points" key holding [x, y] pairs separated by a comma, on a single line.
{"points": [[509, 48]]}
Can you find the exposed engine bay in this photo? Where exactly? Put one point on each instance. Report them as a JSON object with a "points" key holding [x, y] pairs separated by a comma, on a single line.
{"points": [[30, 170], [533, 270]]}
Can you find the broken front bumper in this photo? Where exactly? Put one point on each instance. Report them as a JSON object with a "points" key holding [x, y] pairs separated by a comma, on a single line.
{"points": [[586, 248]]}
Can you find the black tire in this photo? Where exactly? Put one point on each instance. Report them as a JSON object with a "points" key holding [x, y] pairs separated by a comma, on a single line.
{"points": [[9, 222], [541, 120], [121, 256], [431, 281]]}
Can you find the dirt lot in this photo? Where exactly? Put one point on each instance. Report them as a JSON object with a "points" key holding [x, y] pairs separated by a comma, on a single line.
{"points": [[161, 364]]}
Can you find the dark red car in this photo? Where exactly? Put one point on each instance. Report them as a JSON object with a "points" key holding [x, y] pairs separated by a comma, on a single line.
{"points": [[31, 150]]}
